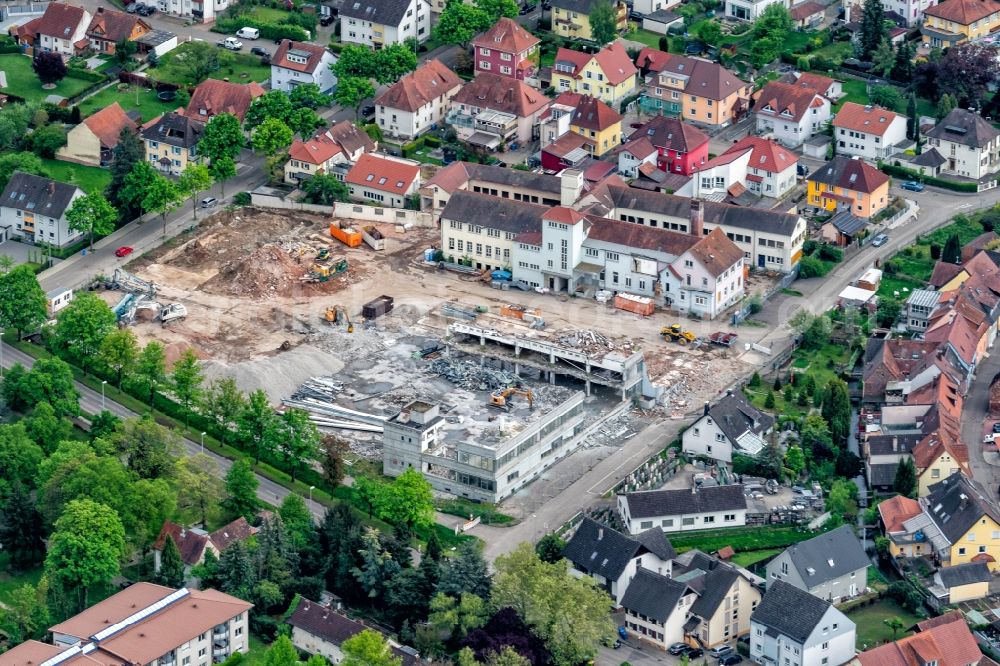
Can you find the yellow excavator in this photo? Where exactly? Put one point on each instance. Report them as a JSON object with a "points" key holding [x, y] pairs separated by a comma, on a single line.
{"points": [[501, 397], [677, 334], [337, 314]]}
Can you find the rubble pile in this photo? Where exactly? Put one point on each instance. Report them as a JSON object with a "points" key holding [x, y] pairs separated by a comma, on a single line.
{"points": [[472, 375], [268, 271], [593, 343], [318, 388]]}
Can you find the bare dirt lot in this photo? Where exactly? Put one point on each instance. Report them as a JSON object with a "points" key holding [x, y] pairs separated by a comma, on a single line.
{"points": [[250, 315]]}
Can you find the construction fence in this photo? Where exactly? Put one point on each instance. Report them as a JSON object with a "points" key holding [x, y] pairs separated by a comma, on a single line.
{"points": [[347, 211]]}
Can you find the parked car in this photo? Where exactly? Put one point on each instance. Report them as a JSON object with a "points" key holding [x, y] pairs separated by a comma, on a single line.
{"points": [[730, 659], [248, 33], [802, 170], [230, 43], [996, 427], [720, 651], [368, 111], [695, 653], [636, 16], [209, 202], [146, 10], [913, 186], [132, 8], [678, 648], [880, 240], [326, 20], [528, 8], [123, 251]]}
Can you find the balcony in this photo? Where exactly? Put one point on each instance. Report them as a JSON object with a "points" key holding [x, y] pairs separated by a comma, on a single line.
{"points": [[167, 659], [220, 631], [503, 125]]}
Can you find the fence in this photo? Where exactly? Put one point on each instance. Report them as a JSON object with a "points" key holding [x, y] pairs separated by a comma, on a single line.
{"points": [[348, 211]]}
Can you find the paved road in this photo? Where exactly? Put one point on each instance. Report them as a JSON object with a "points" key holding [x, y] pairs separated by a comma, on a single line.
{"points": [[974, 415]]}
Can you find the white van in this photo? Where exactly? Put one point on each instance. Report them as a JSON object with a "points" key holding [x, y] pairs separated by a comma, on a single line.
{"points": [[248, 33]]}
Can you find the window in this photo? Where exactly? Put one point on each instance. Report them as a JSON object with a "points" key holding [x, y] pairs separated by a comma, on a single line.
{"points": [[826, 645], [202, 652], [729, 517], [709, 520], [667, 522], [646, 524], [961, 551], [687, 521]]}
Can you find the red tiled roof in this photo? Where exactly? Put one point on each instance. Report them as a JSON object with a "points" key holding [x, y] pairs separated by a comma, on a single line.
{"points": [[716, 252], [108, 123], [868, 119], [957, 331], [316, 150], [214, 97], [191, 543], [60, 20], [896, 511], [612, 59], [563, 215], [385, 175], [943, 273], [565, 144], [640, 148], [238, 530], [778, 99], [639, 236], [652, 59], [964, 12], [946, 640], [704, 78], [501, 93], [669, 133], [420, 87], [506, 35], [813, 81], [805, 10], [314, 59], [114, 26], [450, 178], [590, 113], [767, 154]]}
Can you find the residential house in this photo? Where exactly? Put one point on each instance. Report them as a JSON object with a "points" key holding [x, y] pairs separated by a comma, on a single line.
{"points": [[613, 558], [750, 10], [708, 277], [593, 119], [608, 75], [492, 110], [832, 566], [418, 101], [647, 7], [35, 209], [494, 181], [378, 23], [634, 154], [213, 97], [109, 27], [962, 334], [882, 454], [947, 276], [794, 628], [963, 522], [832, 89], [848, 184], [506, 49], [727, 597], [696, 90], [295, 63], [199, 11], [730, 425], [683, 510], [93, 140], [868, 132], [807, 15], [571, 18], [945, 640], [387, 181], [894, 514], [919, 306], [760, 166], [842, 229], [194, 542], [954, 22], [656, 608], [567, 152], [61, 29], [172, 141], [908, 13], [894, 367], [983, 241], [197, 627], [969, 144], [962, 582], [791, 113], [681, 148], [336, 146], [939, 455], [319, 629]]}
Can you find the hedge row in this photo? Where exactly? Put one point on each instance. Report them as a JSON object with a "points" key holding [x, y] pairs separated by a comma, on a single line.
{"points": [[267, 30], [85, 74], [910, 174], [408, 149]]}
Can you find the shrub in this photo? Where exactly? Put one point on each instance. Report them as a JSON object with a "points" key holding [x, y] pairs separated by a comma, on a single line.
{"points": [[267, 30], [809, 247], [830, 253], [84, 74], [241, 199], [810, 267]]}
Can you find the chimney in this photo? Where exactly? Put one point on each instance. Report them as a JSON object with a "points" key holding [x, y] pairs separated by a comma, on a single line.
{"points": [[52, 187], [895, 444], [963, 501], [100, 10], [600, 533], [697, 218], [694, 488], [706, 408]]}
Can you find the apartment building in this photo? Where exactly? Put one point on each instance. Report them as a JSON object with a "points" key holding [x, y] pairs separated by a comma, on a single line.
{"points": [[964, 522], [608, 75], [571, 18], [969, 145], [760, 166], [172, 142], [506, 49], [696, 90], [483, 229], [869, 132], [832, 566], [33, 208], [790, 113], [378, 23], [793, 628], [492, 110], [417, 101], [954, 22], [681, 147]]}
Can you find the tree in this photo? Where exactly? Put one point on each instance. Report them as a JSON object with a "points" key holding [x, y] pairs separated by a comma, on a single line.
{"points": [[603, 22], [124, 50], [710, 32], [304, 122], [48, 67], [222, 169], [815, 438], [377, 566], [297, 439], [82, 327], [241, 489], [187, 379], [506, 629], [171, 571], [457, 616], [23, 305], [275, 104], [769, 401], [161, 197], [888, 311], [325, 189], [92, 214], [198, 484], [134, 187], [298, 521], [256, 425], [200, 59], [151, 367], [903, 69], [883, 58], [128, 152], [50, 380], [223, 402], [119, 351], [147, 448], [795, 460], [332, 451], [465, 573], [272, 136], [550, 548], [873, 29], [912, 124], [395, 61], [235, 571], [368, 648], [352, 91], [552, 601], [46, 428], [952, 253], [895, 624], [837, 410], [25, 162], [281, 653], [769, 33], [45, 141], [26, 612], [194, 180], [86, 547], [408, 500], [944, 106], [966, 72], [355, 61], [22, 531], [308, 96], [841, 501], [888, 97], [221, 138], [905, 482], [497, 9]]}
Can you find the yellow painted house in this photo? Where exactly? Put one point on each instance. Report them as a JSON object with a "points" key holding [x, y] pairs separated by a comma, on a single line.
{"points": [[172, 142], [964, 582], [592, 119], [957, 21], [571, 18], [937, 458], [609, 75], [964, 524], [844, 184]]}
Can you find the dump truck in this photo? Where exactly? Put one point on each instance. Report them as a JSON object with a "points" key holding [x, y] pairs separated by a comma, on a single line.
{"points": [[675, 333], [373, 237], [346, 234], [322, 271], [501, 397]]}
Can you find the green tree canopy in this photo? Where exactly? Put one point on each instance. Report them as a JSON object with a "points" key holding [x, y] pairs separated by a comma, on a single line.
{"points": [[274, 104], [873, 29], [325, 189], [241, 489], [222, 137], [187, 379], [120, 351], [603, 22], [82, 327], [151, 367], [147, 448], [86, 547], [23, 305], [198, 484], [905, 482], [368, 648], [161, 197], [171, 571], [194, 180], [352, 91], [272, 136]]}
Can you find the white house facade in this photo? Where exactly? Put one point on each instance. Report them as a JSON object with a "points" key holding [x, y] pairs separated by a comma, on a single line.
{"points": [[732, 425], [683, 510], [791, 627], [296, 63], [34, 209], [868, 132], [791, 114], [378, 23]]}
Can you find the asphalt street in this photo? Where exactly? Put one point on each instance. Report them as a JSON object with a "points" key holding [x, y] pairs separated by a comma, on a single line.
{"points": [[975, 414]]}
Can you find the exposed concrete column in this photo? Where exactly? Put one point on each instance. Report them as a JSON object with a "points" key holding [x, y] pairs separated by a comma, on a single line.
{"points": [[482, 340], [517, 370], [517, 349], [552, 377], [552, 357], [587, 387]]}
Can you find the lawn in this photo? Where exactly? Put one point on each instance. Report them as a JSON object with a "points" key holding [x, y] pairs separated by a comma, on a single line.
{"points": [[268, 14], [237, 67], [87, 178], [21, 80], [257, 654], [646, 37], [822, 364], [742, 539], [913, 264], [872, 630], [854, 91], [11, 581], [750, 557], [134, 98]]}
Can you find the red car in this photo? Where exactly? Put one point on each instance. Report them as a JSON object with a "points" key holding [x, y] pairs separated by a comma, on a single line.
{"points": [[123, 251]]}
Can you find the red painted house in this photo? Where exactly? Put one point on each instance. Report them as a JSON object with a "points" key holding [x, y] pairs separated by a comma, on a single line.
{"points": [[681, 148], [567, 152], [506, 49]]}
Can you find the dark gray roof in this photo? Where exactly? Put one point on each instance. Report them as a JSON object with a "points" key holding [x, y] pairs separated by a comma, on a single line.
{"points": [[956, 504], [965, 574], [650, 503], [883, 444], [965, 127], [789, 611], [848, 223], [757, 219], [735, 415], [335, 627], [515, 177], [828, 556], [717, 583], [653, 595], [42, 196], [504, 214], [656, 542], [882, 474], [386, 12], [174, 129], [663, 16], [598, 549], [929, 158]]}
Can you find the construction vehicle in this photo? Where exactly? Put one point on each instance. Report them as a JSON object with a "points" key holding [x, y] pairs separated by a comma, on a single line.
{"points": [[323, 254], [322, 271], [128, 282], [501, 397], [337, 314], [675, 333], [173, 312]]}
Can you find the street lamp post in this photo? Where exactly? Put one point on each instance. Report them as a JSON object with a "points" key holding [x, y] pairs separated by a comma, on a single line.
{"points": [[102, 394], [311, 488], [202, 442]]}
